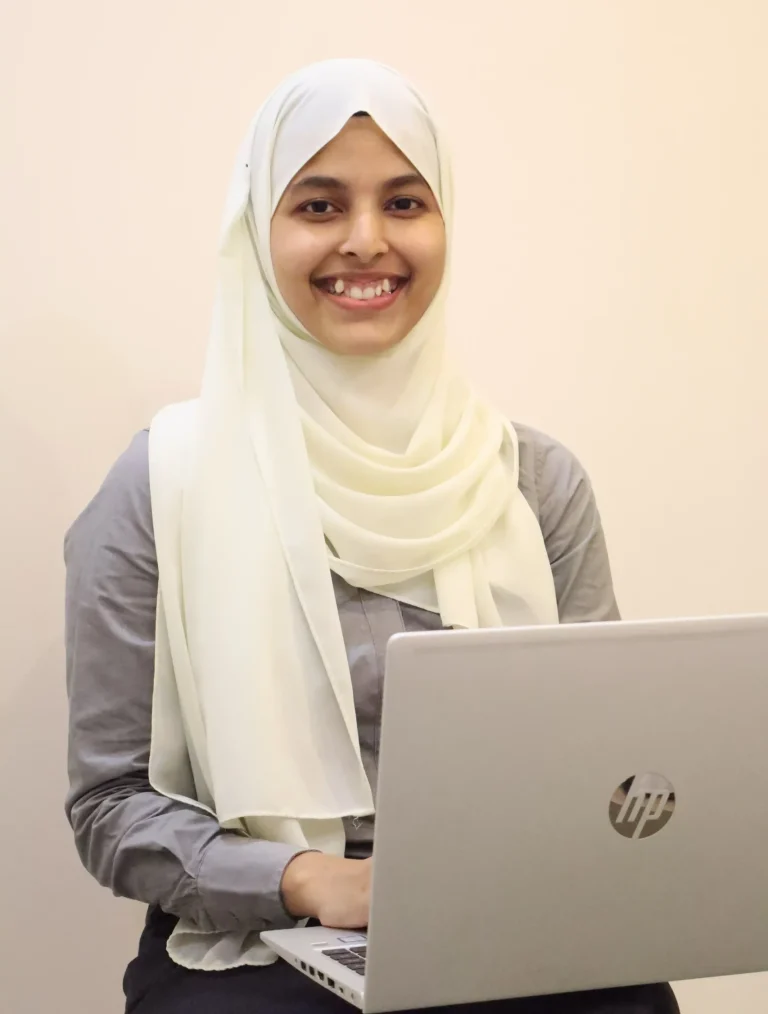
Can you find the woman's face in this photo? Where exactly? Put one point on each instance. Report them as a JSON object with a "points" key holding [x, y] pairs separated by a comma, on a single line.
{"points": [[358, 242]]}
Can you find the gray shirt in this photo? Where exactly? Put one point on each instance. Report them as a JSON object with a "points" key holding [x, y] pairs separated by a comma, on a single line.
{"points": [[156, 850]]}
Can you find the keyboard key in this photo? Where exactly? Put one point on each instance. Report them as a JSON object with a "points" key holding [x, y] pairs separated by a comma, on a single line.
{"points": [[346, 959], [352, 958]]}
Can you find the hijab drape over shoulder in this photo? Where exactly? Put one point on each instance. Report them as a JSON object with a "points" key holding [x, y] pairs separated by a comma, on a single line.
{"points": [[297, 461]]}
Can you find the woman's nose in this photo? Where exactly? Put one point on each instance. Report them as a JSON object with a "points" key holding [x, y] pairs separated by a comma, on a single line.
{"points": [[366, 239]]}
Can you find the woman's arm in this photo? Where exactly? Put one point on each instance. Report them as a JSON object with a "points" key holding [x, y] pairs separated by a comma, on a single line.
{"points": [[129, 837]]}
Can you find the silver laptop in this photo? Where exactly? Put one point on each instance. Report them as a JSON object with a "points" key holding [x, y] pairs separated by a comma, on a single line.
{"points": [[559, 809]]}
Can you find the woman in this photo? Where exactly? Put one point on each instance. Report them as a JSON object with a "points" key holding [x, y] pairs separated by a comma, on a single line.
{"points": [[232, 586]]}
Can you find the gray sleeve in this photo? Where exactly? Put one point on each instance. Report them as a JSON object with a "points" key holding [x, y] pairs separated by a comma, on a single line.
{"points": [[129, 837], [573, 534]]}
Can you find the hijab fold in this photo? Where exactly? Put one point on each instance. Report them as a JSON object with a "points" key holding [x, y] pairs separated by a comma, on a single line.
{"points": [[295, 462]]}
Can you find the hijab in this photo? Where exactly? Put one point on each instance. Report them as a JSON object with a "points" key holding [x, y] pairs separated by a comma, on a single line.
{"points": [[296, 462]]}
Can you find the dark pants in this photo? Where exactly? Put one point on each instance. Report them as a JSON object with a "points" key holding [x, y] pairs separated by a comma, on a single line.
{"points": [[156, 985]]}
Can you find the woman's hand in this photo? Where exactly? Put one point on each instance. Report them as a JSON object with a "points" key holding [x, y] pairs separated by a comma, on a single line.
{"points": [[336, 891]]}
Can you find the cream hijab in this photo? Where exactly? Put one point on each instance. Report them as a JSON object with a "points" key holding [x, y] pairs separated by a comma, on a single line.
{"points": [[295, 462]]}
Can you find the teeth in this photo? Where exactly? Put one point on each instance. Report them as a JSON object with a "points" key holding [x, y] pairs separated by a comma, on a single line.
{"points": [[339, 287]]}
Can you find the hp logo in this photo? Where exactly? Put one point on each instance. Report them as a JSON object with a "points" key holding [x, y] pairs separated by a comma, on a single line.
{"points": [[642, 806]]}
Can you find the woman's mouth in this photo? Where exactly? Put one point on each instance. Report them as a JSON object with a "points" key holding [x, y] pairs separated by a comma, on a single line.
{"points": [[367, 293]]}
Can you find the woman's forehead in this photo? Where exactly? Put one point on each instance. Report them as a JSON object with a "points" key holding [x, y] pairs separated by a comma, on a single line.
{"points": [[361, 155], [360, 150]]}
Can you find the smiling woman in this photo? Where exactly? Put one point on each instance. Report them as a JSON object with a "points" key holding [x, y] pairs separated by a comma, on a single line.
{"points": [[232, 587], [358, 242]]}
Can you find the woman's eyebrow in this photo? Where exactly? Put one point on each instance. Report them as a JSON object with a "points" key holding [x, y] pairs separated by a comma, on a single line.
{"points": [[407, 180], [331, 183], [319, 183]]}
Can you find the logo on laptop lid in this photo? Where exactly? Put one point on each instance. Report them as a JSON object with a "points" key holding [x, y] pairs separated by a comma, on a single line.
{"points": [[642, 805]]}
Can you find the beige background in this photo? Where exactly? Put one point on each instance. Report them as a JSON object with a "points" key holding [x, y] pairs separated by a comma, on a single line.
{"points": [[610, 287]]}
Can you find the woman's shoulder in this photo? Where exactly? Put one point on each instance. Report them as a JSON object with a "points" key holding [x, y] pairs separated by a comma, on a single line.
{"points": [[128, 478], [551, 475], [121, 507], [559, 490], [132, 465], [536, 442]]}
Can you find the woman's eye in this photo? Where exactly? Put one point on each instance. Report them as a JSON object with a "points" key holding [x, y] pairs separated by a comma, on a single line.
{"points": [[319, 208], [405, 204]]}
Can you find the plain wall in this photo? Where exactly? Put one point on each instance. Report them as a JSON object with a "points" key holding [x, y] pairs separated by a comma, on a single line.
{"points": [[611, 159]]}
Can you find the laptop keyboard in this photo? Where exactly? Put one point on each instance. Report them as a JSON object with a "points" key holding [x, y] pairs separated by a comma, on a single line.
{"points": [[351, 957]]}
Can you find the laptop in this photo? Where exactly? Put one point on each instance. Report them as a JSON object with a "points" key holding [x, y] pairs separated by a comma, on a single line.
{"points": [[560, 809]]}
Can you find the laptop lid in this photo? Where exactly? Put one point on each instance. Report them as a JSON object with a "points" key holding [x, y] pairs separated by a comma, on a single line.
{"points": [[508, 861]]}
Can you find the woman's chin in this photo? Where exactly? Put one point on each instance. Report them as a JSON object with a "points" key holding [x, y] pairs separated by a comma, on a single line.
{"points": [[360, 340]]}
